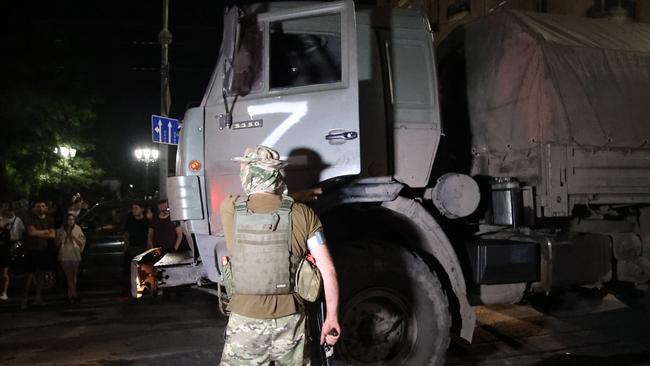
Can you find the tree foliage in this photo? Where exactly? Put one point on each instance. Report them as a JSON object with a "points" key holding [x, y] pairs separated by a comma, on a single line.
{"points": [[35, 122]]}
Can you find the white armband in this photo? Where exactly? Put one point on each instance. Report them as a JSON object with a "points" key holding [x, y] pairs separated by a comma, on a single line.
{"points": [[315, 240]]}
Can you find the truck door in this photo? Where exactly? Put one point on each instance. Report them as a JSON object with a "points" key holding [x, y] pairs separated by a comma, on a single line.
{"points": [[300, 71]]}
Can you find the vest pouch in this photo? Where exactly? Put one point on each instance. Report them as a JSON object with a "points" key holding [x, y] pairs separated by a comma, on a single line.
{"points": [[262, 270], [309, 281], [227, 279]]}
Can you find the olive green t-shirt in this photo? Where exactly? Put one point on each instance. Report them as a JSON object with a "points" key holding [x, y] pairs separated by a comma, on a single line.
{"points": [[305, 224]]}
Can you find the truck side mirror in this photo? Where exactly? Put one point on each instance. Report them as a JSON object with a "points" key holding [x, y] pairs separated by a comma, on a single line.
{"points": [[242, 53], [230, 40]]}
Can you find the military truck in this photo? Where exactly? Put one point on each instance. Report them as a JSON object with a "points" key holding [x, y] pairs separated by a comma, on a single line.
{"points": [[536, 178]]}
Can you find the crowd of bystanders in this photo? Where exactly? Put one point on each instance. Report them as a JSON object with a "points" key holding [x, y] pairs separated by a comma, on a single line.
{"points": [[33, 247], [42, 238]]}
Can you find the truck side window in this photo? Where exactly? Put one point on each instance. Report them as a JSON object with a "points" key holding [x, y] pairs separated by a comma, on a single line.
{"points": [[297, 58]]}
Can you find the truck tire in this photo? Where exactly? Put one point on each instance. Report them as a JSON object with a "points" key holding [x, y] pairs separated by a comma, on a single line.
{"points": [[393, 310]]}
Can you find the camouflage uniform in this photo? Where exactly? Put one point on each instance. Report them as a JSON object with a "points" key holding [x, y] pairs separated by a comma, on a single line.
{"points": [[252, 341]]}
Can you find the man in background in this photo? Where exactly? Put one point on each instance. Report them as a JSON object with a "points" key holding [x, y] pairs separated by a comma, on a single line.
{"points": [[163, 232], [136, 231], [12, 231], [40, 231]]}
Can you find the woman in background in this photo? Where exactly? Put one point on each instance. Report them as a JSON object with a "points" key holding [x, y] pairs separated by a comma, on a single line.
{"points": [[70, 240]]}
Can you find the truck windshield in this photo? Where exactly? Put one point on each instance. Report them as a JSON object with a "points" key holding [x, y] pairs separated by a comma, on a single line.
{"points": [[298, 58]]}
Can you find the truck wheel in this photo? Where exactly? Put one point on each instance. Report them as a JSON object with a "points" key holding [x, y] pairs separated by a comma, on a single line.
{"points": [[393, 309]]}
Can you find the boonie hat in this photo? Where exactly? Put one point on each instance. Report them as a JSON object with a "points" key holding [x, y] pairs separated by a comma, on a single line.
{"points": [[262, 156]]}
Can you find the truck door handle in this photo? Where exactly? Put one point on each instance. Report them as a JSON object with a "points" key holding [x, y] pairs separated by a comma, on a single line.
{"points": [[341, 135]]}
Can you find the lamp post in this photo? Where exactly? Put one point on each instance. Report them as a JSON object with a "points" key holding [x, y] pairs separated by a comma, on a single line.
{"points": [[165, 39], [67, 152], [147, 156]]}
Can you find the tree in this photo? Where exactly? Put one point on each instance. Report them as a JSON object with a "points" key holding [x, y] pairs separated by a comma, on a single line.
{"points": [[35, 122]]}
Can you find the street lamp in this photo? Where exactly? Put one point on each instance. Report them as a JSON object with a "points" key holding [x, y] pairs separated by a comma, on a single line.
{"points": [[147, 156], [67, 152]]}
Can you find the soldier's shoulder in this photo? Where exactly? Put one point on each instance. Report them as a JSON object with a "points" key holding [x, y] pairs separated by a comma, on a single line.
{"points": [[302, 208]]}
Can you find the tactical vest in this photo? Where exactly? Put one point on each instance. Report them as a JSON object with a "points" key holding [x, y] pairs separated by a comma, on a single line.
{"points": [[262, 261]]}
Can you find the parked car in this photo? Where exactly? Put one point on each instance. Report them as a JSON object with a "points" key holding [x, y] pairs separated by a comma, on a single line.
{"points": [[104, 255]]}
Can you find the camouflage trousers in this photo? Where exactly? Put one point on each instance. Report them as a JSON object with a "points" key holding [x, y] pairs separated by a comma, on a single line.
{"points": [[251, 341]]}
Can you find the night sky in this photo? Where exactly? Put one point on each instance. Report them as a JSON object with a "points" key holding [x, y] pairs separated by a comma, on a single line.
{"points": [[109, 50]]}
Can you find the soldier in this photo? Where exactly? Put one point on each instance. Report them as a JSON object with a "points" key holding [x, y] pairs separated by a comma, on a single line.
{"points": [[267, 234]]}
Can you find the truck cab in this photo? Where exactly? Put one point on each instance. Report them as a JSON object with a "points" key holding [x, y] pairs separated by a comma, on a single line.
{"points": [[349, 96], [292, 76]]}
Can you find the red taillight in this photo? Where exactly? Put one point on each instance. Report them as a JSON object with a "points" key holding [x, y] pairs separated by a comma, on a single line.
{"points": [[195, 165]]}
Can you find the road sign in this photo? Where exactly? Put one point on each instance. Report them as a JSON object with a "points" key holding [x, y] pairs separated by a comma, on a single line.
{"points": [[165, 130]]}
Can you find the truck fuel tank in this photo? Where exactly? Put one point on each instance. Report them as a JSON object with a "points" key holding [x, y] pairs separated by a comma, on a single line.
{"points": [[454, 195], [499, 261]]}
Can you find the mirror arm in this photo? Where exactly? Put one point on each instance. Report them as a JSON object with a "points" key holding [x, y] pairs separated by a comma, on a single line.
{"points": [[228, 116], [231, 29]]}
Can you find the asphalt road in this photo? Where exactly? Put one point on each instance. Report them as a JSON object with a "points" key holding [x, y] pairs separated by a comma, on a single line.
{"points": [[110, 330], [577, 328]]}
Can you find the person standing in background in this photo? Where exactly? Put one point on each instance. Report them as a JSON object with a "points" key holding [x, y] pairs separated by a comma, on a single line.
{"points": [[163, 232], [13, 229], [135, 231], [148, 212], [70, 241], [76, 205], [40, 231]]}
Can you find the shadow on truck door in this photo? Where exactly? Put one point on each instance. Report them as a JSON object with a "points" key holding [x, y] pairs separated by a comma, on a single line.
{"points": [[304, 169]]}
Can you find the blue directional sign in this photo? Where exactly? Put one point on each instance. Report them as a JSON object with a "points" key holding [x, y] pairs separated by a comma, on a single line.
{"points": [[165, 130]]}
